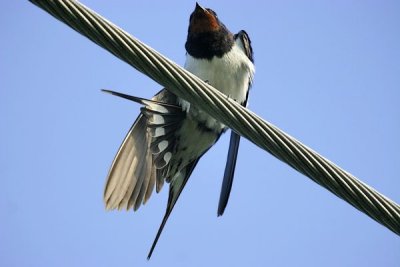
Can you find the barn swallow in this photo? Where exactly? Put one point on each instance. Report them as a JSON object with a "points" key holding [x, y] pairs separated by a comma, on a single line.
{"points": [[170, 135]]}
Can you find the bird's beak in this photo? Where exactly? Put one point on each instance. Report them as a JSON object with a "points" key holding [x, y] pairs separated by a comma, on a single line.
{"points": [[199, 8]]}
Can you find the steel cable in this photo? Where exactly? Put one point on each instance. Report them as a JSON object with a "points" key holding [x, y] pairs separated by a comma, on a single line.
{"points": [[238, 118]]}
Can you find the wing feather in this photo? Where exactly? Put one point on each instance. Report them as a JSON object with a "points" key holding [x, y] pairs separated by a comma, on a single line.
{"points": [[123, 174], [135, 169], [243, 41]]}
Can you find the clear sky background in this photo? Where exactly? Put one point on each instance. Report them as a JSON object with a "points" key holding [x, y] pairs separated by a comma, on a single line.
{"points": [[328, 73]]}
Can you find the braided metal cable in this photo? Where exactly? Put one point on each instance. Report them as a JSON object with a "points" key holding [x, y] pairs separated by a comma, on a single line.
{"points": [[241, 120]]}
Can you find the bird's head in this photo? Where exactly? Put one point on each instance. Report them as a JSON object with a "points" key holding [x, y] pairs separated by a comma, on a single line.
{"points": [[207, 35], [203, 20]]}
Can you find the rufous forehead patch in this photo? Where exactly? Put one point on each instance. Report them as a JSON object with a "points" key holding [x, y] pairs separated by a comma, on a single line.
{"points": [[204, 22]]}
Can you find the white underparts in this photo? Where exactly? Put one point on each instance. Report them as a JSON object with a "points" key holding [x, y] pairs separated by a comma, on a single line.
{"points": [[230, 74]]}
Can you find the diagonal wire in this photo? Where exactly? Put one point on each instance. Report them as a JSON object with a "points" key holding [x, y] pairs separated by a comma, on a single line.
{"points": [[246, 123]]}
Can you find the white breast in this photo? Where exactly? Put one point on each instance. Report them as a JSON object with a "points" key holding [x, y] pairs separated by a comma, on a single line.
{"points": [[230, 74]]}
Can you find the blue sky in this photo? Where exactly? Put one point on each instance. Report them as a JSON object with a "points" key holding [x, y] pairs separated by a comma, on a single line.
{"points": [[327, 73]]}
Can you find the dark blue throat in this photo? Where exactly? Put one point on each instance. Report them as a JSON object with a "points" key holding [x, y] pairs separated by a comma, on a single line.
{"points": [[206, 45]]}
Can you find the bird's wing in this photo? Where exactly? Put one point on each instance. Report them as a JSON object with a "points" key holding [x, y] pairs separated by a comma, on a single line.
{"points": [[243, 41], [140, 160], [143, 159], [229, 172]]}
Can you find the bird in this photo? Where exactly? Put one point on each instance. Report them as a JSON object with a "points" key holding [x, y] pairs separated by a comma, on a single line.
{"points": [[170, 135]]}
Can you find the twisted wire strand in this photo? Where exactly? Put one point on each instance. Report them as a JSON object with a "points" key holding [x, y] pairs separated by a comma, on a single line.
{"points": [[246, 123]]}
